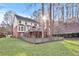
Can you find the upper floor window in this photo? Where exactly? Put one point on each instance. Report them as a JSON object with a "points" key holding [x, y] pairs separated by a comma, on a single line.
{"points": [[31, 23], [25, 23], [35, 24], [19, 22]]}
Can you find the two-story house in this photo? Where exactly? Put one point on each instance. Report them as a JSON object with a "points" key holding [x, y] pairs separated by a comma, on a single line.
{"points": [[22, 25]]}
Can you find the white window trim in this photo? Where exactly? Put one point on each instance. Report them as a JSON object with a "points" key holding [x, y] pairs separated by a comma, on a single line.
{"points": [[24, 30]]}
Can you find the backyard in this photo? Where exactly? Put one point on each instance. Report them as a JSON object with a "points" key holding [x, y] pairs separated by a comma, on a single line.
{"points": [[18, 47]]}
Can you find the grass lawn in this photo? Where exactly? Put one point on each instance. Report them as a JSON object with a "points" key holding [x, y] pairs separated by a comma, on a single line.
{"points": [[17, 47]]}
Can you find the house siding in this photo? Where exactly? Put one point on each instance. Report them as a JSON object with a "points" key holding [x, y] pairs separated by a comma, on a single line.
{"points": [[15, 33], [25, 22]]}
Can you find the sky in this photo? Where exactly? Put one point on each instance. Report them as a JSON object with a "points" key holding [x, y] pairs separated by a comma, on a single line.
{"points": [[24, 9]]}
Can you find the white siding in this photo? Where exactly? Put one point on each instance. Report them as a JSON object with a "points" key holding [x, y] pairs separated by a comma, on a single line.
{"points": [[22, 22], [30, 23], [15, 22]]}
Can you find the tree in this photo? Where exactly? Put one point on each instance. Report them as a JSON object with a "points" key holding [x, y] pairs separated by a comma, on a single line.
{"points": [[62, 12], [31, 6], [9, 20], [66, 12], [72, 10], [37, 15], [78, 12], [42, 20], [50, 20]]}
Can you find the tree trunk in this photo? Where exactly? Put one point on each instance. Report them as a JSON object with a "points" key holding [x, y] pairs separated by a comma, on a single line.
{"points": [[72, 10], [42, 20], [62, 11], [66, 13], [50, 20]]}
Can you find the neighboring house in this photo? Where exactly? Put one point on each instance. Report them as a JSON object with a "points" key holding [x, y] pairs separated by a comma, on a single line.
{"points": [[22, 25]]}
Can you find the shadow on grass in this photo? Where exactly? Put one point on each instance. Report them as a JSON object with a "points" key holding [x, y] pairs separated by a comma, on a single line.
{"points": [[40, 42]]}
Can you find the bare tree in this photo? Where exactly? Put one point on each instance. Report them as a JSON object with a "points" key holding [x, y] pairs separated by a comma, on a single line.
{"points": [[50, 20], [9, 20], [42, 19], [78, 12], [72, 10], [35, 15], [62, 12], [66, 13]]}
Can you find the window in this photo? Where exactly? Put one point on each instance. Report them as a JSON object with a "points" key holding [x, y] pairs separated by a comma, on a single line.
{"points": [[22, 29], [35, 24], [25, 23], [31, 23], [19, 22]]}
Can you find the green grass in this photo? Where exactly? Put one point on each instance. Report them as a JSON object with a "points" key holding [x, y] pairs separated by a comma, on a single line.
{"points": [[17, 47]]}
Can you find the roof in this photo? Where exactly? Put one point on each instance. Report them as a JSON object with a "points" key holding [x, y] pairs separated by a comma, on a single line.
{"points": [[25, 18]]}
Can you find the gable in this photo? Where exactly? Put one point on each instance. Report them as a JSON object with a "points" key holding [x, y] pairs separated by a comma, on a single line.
{"points": [[21, 18]]}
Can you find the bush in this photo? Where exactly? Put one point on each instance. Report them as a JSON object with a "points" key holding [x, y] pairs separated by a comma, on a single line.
{"points": [[2, 35]]}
